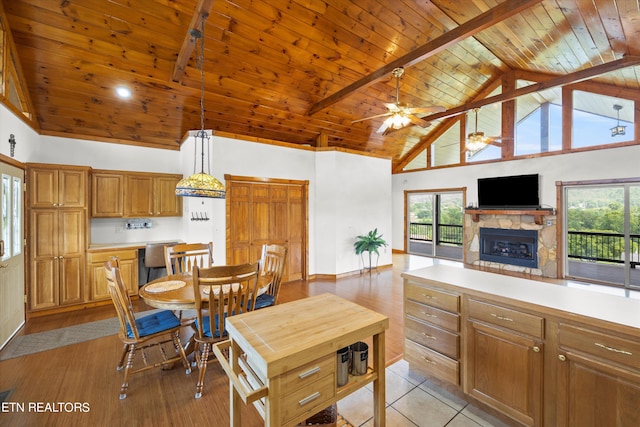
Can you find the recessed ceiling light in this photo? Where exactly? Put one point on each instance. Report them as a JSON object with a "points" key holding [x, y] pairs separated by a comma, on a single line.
{"points": [[123, 92]]}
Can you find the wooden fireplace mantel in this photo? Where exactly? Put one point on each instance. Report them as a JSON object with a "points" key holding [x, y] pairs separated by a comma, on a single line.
{"points": [[537, 214]]}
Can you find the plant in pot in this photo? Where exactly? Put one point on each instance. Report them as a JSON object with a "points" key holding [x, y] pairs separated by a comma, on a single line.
{"points": [[370, 242]]}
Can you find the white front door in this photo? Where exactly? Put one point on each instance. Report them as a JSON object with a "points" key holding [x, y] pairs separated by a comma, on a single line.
{"points": [[12, 290]]}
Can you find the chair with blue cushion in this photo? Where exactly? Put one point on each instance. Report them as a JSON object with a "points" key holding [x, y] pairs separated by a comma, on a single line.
{"points": [[220, 292], [156, 335], [272, 263]]}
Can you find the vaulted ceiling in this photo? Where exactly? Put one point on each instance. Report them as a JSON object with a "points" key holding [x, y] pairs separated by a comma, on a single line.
{"points": [[298, 71]]}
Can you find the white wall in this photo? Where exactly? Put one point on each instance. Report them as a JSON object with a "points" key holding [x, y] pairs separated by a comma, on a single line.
{"points": [[348, 194], [352, 198], [26, 138], [610, 163]]}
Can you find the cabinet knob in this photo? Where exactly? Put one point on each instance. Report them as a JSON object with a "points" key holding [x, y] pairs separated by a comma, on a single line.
{"points": [[536, 349], [562, 357]]}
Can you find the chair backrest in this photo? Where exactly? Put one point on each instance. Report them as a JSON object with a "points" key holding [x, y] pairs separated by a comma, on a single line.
{"points": [[272, 262], [181, 258], [121, 300], [154, 254], [220, 292]]}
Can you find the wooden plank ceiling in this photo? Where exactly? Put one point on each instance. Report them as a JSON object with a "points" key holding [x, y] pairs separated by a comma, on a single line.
{"points": [[293, 70]]}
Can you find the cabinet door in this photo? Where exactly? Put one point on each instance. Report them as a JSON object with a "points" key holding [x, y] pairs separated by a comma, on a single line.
{"points": [[71, 279], [107, 196], [593, 394], [505, 371], [98, 281], [43, 184], [165, 200], [44, 265], [138, 196], [71, 247], [72, 188]]}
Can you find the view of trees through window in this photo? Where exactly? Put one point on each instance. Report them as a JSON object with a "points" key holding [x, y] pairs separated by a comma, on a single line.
{"points": [[597, 224]]}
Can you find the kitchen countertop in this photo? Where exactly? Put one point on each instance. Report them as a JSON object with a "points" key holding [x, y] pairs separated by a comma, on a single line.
{"points": [[563, 298], [103, 247]]}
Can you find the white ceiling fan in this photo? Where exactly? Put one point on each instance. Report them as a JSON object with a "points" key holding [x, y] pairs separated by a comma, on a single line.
{"points": [[476, 140], [399, 114]]}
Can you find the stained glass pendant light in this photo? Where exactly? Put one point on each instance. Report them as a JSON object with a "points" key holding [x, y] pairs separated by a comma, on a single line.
{"points": [[201, 184]]}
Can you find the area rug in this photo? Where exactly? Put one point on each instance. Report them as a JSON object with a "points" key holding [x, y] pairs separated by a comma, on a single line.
{"points": [[23, 345]]}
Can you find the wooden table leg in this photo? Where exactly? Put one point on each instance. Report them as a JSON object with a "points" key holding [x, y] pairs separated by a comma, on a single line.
{"points": [[379, 389]]}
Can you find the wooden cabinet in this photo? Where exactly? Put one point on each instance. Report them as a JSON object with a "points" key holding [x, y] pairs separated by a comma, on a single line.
{"points": [[120, 194], [504, 360], [107, 194], [598, 378], [50, 186], [57, 250], [432, 331], [97, 280], [534, 353], [58, 225], [151, 195]]}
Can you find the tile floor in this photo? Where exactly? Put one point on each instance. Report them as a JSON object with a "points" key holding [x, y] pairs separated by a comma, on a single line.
{"points": [[414, 401]]}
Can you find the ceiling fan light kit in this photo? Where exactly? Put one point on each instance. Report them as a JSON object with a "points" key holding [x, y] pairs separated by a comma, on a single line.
{"points": [[399, 114]]}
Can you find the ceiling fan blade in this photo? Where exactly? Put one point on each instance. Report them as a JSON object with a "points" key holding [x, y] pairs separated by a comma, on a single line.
{"points": [[425, 110], [382, 129], [372, 117], [418, 121], [393, 108]]}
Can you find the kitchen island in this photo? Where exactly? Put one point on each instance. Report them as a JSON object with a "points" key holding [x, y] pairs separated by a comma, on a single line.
{"points": [[535, 353]]}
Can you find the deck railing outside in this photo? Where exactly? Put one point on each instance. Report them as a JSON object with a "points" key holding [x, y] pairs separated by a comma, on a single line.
{"points": [[582, 245]]}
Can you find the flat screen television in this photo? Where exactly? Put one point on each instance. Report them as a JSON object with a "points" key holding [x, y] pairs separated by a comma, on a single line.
{"points": [[509, 192]]}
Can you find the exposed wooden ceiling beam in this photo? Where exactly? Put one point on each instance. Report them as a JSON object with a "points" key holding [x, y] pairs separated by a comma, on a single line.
{"points": [[578, 76], [189, 43], [473, 26]]}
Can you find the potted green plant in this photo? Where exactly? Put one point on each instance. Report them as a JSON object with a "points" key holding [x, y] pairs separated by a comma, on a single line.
{"points": [[370, 242]]}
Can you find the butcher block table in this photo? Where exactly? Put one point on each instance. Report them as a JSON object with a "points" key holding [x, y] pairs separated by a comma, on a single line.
{"points": [[283, 359]]}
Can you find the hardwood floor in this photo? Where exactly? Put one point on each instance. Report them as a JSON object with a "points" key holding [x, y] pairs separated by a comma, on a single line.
{"points": [[79, 385]]}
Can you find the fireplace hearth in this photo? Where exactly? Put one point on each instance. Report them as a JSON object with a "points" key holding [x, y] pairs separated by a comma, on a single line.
{"points": [[509, 246]]}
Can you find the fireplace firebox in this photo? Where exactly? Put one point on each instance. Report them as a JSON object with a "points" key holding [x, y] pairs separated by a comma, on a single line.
{"points": [[507, 246]]}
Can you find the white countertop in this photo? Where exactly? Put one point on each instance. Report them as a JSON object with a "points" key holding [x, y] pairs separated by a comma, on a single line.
{"points": [[96, 247], [566, 299]]}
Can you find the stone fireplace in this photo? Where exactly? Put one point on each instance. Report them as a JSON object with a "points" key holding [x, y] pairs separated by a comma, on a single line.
{"points": [[515, 242]]}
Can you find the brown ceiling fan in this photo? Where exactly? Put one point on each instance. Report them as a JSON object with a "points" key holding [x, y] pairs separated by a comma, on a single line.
{"points": [[399, 114]]}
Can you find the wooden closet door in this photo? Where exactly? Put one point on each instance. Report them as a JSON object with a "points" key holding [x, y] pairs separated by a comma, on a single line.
{"points": [[261, 211]]}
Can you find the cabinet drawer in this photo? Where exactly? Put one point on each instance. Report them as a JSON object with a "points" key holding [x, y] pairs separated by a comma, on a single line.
{"points": [[432, 337], [433, 315], [606, 346], [309, 373], [101, 257], [307, 399], [507, 318], [431, 362], [432, 297]]}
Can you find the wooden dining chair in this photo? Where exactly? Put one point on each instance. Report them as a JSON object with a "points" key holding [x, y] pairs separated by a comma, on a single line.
{"points": [[272, 262], [181, 258], [151, 332], [220, 292]]}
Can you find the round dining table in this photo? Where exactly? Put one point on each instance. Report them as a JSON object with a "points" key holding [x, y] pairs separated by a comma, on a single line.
{"points": [[175, 292]]}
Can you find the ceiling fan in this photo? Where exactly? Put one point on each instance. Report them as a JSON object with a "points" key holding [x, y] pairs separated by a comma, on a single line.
{"points": [[476, 141], [400, 115]]}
